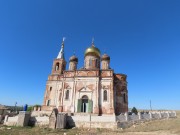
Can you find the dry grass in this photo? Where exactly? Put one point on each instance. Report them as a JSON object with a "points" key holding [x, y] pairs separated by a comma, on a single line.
{"points": [[157, 127], [170, 126]]}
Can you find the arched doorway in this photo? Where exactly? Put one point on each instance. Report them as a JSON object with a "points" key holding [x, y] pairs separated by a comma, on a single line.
{"points": [[84, 105]]}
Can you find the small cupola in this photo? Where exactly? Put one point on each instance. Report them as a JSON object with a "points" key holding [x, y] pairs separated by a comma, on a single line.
{"points": [[105, 60], [105, 57], [73, 58]]}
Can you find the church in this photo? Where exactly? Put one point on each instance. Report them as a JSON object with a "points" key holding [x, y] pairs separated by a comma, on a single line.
{"points": [[94, 89]]}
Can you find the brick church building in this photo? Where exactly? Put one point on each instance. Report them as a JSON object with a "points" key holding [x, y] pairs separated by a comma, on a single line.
{"points": [[95, 88]]}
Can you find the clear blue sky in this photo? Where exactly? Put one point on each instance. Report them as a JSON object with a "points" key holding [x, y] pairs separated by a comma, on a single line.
{"points": [[142, 38]]}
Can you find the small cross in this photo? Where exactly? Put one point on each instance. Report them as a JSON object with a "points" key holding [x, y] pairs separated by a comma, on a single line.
{"points": [[93, 41], [64, 39]]}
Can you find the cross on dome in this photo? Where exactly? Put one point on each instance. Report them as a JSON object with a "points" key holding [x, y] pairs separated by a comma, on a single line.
{"points": [[93, 42]]}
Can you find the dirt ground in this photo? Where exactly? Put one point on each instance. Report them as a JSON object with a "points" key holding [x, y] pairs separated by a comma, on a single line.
{"points": [[157, 127]]}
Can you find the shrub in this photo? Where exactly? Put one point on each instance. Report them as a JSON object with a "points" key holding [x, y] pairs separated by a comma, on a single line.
{"points": [[30, 108], [134, 110]]}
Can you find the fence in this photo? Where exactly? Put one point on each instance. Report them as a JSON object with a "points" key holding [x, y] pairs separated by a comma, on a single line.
{"points": [[145, 116], [86, 120]]}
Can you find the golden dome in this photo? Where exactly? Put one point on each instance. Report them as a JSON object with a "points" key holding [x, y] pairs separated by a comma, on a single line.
{"points": [[92, 51]]}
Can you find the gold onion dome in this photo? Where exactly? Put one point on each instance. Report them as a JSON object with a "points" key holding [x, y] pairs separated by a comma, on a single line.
{"points": [[73, 58], [105, 57], [92, 51]]}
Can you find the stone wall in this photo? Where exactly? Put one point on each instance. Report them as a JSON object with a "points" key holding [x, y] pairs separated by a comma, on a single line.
{"points": [[23, 118], [10, 121], [145, 116], [93, 118], [40, 113], [92, 121], [108, 125], [39, 120], [81, 120]]}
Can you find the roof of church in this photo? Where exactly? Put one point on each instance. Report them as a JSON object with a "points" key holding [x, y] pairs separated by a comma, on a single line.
{"points": [[105, 57], [73, 58], [92, 50]]}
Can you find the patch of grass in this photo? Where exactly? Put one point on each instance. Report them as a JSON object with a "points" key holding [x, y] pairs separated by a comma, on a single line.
{"points": [[168, 125]]}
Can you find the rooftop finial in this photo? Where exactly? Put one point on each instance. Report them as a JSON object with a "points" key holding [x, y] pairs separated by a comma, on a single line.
{"points": [[93, 41], [64, 39], [61, 53]]}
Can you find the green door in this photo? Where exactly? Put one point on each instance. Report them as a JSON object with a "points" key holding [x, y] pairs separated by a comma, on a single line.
{"points": [[79, 105], [90, 106]]}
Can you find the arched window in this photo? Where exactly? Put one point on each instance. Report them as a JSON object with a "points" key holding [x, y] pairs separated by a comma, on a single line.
{"points": [[67, 95], [50, 88], [97, 63], [124, 97], [105, 95], [64, 67], [90, 62], [70, 66], [107, 65], [48, 102], [60, 94], [84, 97], [57, 67]]}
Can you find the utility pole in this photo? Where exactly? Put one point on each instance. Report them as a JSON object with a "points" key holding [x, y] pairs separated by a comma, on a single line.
{"points": [[150, 105], [15, 108], [90, 120]]}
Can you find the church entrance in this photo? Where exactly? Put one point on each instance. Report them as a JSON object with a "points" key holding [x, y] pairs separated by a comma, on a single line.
{"points": [[84, 105]]}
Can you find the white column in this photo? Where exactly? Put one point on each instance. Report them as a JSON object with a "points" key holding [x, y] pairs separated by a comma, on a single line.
{"points": [[175, 113], [160, 116], [139, 115], [87, 106], [5, 119], [150, 115], [126, 116], [167, 115]]}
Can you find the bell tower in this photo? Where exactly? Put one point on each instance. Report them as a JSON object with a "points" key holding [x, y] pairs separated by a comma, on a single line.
{"points": [[59, 64]]}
